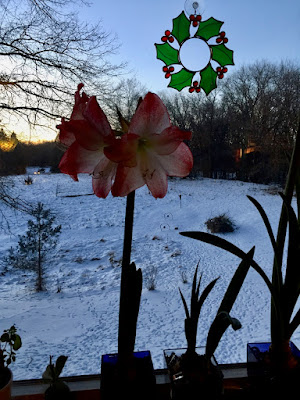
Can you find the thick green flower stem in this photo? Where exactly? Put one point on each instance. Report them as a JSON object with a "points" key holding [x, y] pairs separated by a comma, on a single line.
{"points": [[130, 293]]}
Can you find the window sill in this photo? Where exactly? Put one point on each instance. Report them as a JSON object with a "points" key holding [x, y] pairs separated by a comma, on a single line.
{"points": [[88, 387]]}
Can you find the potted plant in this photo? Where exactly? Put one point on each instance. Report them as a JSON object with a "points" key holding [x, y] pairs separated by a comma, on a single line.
{"points": [[147, 151], [277, 362], [58, 389], [10, 342], [194, 371]]}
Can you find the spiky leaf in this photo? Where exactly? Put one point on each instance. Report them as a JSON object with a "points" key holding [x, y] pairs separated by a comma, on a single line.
{"points": [[209, 28], [222, 54], [181, 79], [208, 79], [167, 54], [181, 28]]}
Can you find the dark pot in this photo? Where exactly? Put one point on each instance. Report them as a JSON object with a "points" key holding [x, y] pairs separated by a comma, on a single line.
{"points": [[191, 376], [269, 378], [58, 391], [135, 380], [5, 383]]}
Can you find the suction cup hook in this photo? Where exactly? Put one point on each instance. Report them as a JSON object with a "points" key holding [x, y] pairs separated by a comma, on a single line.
{"points": [[193, 7]]}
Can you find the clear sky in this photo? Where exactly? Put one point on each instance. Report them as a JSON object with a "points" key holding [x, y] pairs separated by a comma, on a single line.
{"points": [[257, 29]]}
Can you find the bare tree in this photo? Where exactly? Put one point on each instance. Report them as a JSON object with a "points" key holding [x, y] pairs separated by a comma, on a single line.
{"points": [[125, 98], [45, 51]]}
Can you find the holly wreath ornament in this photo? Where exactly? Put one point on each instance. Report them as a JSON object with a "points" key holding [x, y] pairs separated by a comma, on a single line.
{"points": [[190, 31]]}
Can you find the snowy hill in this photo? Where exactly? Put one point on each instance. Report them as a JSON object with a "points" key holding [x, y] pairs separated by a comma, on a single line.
{"points": [[81, 321]]}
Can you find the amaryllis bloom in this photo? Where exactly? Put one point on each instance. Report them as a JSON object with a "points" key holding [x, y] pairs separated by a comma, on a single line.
{"points": [[86, 134], [152, 150]]}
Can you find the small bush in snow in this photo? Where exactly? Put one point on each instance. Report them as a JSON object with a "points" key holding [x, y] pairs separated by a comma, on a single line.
{"points": [[220, 224], [150, 276]]}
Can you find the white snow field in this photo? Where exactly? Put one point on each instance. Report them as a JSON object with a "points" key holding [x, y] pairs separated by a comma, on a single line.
{"points": [[81, 321]]}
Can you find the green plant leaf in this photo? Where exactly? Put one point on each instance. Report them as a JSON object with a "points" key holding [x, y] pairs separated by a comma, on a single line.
{"points": [[167, 54], [209, 28], [292, 278], [17, 343], [181, 79], [266, 222], [222, 54], [236, 283], [181, 28], [222, 321], [208, 79], [184, 305], [59, 365]]}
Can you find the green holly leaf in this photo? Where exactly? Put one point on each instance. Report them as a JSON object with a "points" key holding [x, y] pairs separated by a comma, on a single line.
{"points": [[181, 79], [209, 28], [181, 28], [208, 79], [167, 54], [222, 54]]}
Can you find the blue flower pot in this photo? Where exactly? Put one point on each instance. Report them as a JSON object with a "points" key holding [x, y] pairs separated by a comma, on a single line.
{"points": [[267, 380], [137, 381]]}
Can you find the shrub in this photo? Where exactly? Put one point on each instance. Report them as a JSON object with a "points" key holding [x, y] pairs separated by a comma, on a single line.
{"points": [[220, 224], [150, 276]]}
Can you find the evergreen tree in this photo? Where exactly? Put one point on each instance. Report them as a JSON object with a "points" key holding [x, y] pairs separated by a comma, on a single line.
{"points": [[34, 246]]}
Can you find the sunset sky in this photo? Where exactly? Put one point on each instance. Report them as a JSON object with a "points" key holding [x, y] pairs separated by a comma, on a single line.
{"points": [[257, 30]]}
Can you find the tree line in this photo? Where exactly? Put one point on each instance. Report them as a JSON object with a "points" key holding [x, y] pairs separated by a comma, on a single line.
{"points": [[245, 129]]}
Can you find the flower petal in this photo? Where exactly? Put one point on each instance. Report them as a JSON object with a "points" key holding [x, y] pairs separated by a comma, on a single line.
{"points": [[103, 176], [150, 117], [80, 103], [94, 114], [179, 163], [127, 180], [123, 150], [169, 140], [79, 160], [153, 173], [65, 136], [86, 135]]}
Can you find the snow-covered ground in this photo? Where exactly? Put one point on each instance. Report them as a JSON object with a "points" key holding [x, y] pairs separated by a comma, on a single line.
{"points": [[81, 321]]}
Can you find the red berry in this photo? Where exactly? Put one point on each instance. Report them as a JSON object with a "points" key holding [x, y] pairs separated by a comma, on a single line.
{"points": [[167, 33], [221, 76], [219, 40], [195, 83], [225, 40], [164, 39], [165, 69], [167, 75], [222, 34], [198, 89], [192, 17], [171, 69], [171, 39], [225, 70], [191, 89], [198, 18], [219, 69], [195, 23]]}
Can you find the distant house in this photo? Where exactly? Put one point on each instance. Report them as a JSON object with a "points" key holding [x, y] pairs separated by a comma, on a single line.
{"points": [[251, 148]]}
